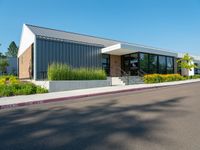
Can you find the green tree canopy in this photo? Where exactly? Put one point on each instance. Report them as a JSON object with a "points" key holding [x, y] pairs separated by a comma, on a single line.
{"points": [[12, 50], [187, 62], [1, 54]]}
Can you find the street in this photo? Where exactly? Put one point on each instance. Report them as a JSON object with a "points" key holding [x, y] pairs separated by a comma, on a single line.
{"points": [[166, 118]]}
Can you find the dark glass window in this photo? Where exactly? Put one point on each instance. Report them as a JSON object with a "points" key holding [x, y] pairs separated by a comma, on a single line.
{"points": [[162, 64], [106, 63], [197, 69], [170, 65], [134, 63], [130, 63], [153, 63], [126, 63], [144, 62]]}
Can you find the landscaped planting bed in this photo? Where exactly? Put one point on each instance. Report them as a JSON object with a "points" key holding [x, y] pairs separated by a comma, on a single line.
{"points": [[159, 78], [11, 86]]}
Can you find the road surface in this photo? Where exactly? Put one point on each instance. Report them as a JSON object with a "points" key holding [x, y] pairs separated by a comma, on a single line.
{"points": [[166, 118]]}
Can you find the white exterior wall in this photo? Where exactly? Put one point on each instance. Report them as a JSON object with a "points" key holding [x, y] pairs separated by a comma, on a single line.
{"points": [[27, 39]]}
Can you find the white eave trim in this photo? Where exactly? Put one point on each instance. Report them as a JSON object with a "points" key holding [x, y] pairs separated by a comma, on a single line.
{"points": [[122, 49]]}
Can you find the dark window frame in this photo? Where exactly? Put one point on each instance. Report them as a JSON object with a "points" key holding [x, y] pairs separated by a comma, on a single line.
{"points": [[107, 69]]}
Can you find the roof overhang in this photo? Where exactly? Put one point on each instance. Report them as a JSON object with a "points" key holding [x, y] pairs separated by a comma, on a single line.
{"points": [[122, 49]]}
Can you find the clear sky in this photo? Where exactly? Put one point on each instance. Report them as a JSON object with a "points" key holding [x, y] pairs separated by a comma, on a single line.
{"points": [[168, 24]]}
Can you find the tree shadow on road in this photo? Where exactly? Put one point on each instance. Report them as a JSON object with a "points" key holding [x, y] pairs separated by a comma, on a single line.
{"points": [[101, 126]]}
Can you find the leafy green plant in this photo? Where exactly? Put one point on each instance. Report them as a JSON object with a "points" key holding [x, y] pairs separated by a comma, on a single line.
{"points": [[195, 77], [58, 71], [40, 90], [186, 62], [10, 86]]}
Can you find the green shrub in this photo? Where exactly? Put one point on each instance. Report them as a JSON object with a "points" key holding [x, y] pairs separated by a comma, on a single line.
{"points": [[6, 90], [195, 77], [10, 86], [41, 90], [58, 71], [158, 78]]}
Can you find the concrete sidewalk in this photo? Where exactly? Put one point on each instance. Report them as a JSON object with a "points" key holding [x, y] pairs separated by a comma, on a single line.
{"points": [[16, 101]]}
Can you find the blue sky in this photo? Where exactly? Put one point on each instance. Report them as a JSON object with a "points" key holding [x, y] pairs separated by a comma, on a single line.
{"points": [[168, 24]]}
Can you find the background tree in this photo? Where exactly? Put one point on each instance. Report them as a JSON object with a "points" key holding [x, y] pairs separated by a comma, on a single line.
{"points": [[3, 65], [12, 50], [1, 54], [187, 62]]}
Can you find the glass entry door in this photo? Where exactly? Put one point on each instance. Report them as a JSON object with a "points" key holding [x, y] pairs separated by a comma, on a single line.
{"points": [[130, 64]]}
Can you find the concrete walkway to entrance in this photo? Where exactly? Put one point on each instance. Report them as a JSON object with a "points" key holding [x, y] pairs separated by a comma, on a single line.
{"points": [[16, 101]]}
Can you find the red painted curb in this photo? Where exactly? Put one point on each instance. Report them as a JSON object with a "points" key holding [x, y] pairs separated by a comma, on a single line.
{"points": [[9, 106]]}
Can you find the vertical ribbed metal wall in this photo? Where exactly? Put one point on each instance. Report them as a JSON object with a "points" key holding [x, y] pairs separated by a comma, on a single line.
{"points": [[71, 53]]}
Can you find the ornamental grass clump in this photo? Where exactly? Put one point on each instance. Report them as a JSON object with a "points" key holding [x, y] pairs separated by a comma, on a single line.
{"points": [[58, 71]]}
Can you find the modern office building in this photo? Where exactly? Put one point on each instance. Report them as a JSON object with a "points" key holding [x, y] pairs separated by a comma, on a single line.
{"points": [[41, 46]]}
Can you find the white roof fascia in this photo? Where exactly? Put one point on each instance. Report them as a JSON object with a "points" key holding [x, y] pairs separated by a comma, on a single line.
{"points": [[122, 49], [148, 50]]}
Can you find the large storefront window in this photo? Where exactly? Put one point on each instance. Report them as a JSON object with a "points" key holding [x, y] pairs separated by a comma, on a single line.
{"points": [[162, 64], [148, 63], [153, 63], [144, 62], [106, 63], [170, 65]]}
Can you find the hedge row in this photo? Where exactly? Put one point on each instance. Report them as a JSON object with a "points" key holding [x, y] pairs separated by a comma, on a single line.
{"points": [[58, 71], [158, 78]]}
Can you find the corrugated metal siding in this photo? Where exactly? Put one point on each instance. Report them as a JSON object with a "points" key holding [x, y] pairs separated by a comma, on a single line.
{"points": [[73, 54]]}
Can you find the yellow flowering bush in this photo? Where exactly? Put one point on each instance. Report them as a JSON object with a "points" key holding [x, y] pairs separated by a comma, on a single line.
{"points": [[11, 85], [158, 78], [2, 81], [8, 80]]}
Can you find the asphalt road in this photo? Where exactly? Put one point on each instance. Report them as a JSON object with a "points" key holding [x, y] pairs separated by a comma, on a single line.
{"points": [[157, 119]]}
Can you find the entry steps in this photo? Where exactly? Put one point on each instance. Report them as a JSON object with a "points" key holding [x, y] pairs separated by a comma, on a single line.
{"points": [[126, 80]]}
